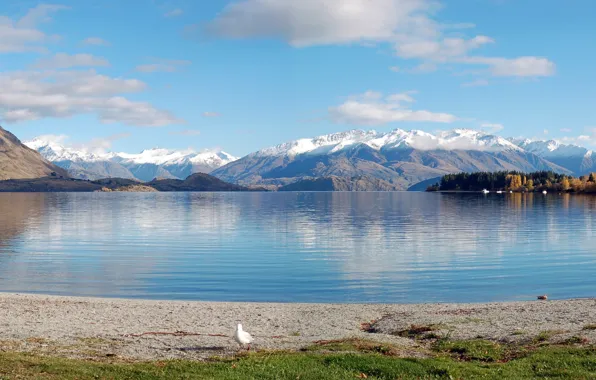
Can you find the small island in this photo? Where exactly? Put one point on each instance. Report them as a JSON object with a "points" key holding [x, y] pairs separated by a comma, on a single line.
{"points": [[512, 181]]}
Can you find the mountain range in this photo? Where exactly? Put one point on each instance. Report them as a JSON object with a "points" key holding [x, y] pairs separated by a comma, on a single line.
{"points": [[144, 166], [392, 160], [402, 158]]}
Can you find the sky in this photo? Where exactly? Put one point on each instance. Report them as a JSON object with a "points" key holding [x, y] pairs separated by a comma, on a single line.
{"points": [[241, 75]]}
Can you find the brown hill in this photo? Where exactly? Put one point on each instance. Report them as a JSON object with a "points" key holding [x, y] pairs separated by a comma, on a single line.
{"points": [[19, 162]]}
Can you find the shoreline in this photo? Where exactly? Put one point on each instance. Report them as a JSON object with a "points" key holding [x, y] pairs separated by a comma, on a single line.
{"points": [[85, 327]]}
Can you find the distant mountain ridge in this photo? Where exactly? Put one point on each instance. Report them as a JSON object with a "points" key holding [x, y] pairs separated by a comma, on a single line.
{"points": [[576, 158], [398, 157], [144, 166], [17, 161]]}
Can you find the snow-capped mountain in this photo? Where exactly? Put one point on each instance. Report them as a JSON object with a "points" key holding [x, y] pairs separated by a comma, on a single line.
{"points": [[576, 158], [551, 148], [399, 157], [54, 151], [457, 139], [144, 166]]}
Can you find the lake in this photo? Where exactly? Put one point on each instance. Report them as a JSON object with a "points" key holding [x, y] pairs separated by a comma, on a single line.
{"points": [[401, 247]]}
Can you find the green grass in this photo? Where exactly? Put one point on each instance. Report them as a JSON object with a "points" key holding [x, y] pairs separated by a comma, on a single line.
{"points": [[545, 336], [450, 360]]}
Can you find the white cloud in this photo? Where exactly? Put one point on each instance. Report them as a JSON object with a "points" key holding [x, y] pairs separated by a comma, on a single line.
{"points": [[38, 15], [566, 130], [211, 114], [440, 50], [320, 22], [492, 127], [408, 25], [186, 132], [98, 145], [371, 109], [588, 139], [517, 67], [424, 67], [476, 83], [58, 139], [22, 114], [96, 41], [32, 95], [174, 13], [545, 131], [395, 69], [65, 61], [163, 66], [22, 36]]}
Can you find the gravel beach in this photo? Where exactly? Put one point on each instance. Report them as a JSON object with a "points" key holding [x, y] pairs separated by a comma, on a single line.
{"points": [[96, 328]]}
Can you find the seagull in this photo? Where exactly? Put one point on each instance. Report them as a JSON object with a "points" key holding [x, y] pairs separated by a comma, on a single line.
{"points": [[242, 337]]}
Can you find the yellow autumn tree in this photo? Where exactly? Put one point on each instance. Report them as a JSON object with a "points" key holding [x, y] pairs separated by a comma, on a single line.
{"points": [[516, 182], [565, 184], [530, 185], [577, 185]]}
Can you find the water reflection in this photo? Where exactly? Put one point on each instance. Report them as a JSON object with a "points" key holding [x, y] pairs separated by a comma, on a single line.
{"points": [[332, 247], [17, 212]]}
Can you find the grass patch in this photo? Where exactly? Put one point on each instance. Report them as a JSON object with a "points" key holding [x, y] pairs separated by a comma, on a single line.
{"points": [[479, 350], [591, 326], [355, 345], [545, 336], [518, 332], [95, 341], [483, 360]]}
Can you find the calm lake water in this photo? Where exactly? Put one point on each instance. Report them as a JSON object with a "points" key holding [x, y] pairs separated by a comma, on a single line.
{"points": [[299, 247]]}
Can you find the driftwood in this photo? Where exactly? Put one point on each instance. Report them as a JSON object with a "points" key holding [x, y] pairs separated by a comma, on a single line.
{"points": [[177, 333], [184, 333]]}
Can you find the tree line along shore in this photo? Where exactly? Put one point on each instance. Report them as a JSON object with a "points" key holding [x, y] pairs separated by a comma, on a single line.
{"points": [[516, 182]]}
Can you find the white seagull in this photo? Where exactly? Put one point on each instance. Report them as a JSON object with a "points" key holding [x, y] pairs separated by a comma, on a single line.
{"points": [[242, 337]]}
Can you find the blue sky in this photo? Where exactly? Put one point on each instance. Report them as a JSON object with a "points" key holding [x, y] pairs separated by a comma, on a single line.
{"points": [[244, 75]]}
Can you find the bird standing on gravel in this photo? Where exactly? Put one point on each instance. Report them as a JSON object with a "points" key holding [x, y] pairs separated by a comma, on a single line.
{"points": [[242, 337]]}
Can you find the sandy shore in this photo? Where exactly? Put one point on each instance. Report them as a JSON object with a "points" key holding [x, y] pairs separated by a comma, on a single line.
{"points": [[95, 328]]}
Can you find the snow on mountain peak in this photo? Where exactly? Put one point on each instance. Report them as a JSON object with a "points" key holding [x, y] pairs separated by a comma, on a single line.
{"points": [[53, 149], [457, 139], [550, 148]]}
